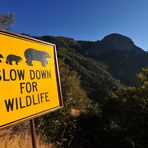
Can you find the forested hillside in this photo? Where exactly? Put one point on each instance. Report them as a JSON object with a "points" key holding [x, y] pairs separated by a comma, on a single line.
{"points": [[98, 111], [95, 79], [116, 54]]}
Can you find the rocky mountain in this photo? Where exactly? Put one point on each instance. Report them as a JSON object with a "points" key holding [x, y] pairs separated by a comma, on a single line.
{"points": [[119, 42], [117, 53], [123, 58], [108, 43]]}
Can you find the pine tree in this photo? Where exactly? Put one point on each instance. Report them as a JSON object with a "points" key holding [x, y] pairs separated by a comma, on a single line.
{"points": [[6, 20]]}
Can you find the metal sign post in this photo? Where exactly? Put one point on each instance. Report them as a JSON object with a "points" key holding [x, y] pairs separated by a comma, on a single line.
{"points": [[33, 133]]}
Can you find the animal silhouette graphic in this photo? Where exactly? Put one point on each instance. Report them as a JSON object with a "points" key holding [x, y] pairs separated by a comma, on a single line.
{"points": [[10, 58], [1, 56], [36, 55]]}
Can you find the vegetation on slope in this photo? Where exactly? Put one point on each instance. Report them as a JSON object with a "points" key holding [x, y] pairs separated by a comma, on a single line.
{"points": [[60, 126], [94, 77], [118, 120]]}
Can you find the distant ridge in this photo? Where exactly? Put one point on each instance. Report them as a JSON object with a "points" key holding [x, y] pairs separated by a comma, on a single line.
{"points": [[113, 41], [123, 57], [119, 53]]}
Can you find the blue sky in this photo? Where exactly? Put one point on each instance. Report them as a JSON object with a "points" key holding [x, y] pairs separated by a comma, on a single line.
{"points": [[81, 19]]}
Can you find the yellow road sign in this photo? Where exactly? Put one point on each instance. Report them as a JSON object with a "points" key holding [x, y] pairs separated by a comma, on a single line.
{"points": [[29, 78]]}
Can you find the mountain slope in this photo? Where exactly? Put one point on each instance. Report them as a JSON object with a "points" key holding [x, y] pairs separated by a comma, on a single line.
{"points": [[123, 57], [95, 79]]}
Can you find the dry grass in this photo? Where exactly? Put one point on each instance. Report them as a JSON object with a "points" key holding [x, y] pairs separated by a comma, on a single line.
{"points": [[9, 139]]}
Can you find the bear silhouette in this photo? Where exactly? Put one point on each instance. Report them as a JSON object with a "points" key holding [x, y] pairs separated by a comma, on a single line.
{"points": [[36, 55], [10, 58], [1, 56]]}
